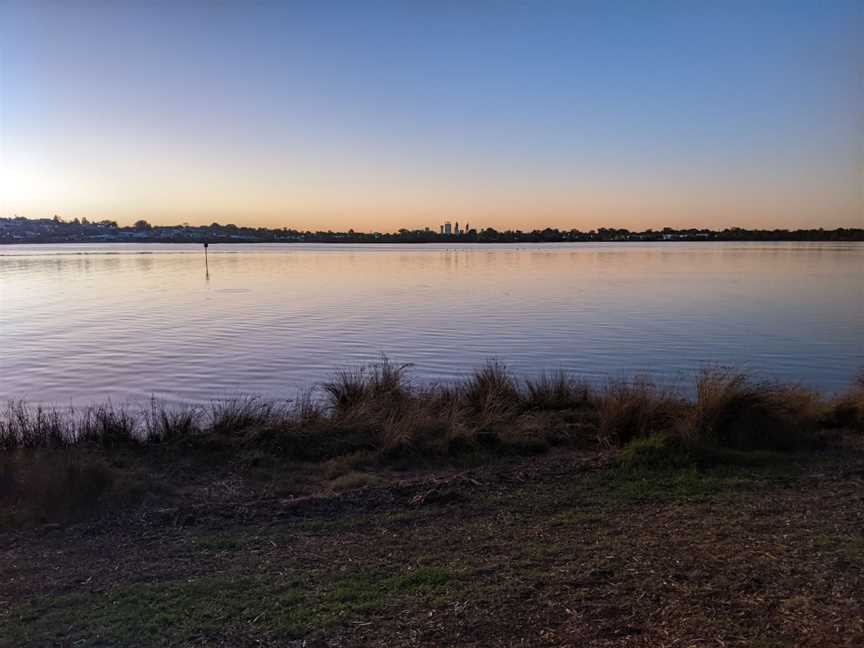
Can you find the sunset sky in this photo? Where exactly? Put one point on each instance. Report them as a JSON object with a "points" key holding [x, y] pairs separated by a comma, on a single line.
{"points": [[380, 115]]}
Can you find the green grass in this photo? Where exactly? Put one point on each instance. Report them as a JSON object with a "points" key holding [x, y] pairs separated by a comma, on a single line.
{"points": [[566, 521], [671, 452], [204, 609], [373, 590], [629, 486], [165, 612], [423, 578], [667, 486]]}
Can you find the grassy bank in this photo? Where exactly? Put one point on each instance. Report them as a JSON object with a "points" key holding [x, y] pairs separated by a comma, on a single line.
{"points": [[371, 421], [570, 548], [495, 512]]}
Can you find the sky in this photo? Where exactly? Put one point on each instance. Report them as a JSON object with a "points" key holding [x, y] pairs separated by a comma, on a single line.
{"points": [[381, 115]]}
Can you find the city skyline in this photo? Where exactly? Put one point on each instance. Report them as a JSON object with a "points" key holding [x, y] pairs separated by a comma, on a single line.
{"points": [[387, 116]]}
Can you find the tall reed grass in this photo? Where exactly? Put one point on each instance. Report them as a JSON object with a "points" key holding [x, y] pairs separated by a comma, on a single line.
{"points": [[65, 459], [734, 411], [377, 409]]}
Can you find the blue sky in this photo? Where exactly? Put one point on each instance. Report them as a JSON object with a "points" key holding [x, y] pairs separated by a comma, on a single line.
{"points": [[378, 115]]}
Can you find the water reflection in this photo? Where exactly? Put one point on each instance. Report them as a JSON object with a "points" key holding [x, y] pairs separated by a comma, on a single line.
{"points": [[125, 321]]}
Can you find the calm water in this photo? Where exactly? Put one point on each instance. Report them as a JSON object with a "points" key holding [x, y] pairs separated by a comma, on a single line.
{"points": [[83, 323]]}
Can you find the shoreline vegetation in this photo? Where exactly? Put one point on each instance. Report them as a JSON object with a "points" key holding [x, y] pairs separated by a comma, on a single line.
{"points": [[495, 511], [59, 460], [57, 230]]}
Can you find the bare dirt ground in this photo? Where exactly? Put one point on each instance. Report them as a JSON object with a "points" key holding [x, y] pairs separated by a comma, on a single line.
{"points": [[559, 550]]}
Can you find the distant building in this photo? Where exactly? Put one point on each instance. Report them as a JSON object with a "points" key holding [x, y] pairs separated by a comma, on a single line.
{"points": [[448, 228]]}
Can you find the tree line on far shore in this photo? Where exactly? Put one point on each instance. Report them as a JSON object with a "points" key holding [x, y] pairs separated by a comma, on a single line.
{"points": [[58, 230]]}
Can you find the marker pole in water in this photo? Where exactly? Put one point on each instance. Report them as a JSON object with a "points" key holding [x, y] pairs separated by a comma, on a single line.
{"points": [[206, 264]]}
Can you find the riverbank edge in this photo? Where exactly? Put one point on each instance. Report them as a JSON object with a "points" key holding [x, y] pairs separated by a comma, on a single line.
{"points": [[57, 464]]}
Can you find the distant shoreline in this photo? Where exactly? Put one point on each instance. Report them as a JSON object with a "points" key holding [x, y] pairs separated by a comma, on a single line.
{"points": [[217, 241], [55, 230]]}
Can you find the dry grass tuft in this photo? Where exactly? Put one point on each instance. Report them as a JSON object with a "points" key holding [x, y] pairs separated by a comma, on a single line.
{"points": [[305, 410], [847, 409], [372, 387], [491, 392], [734, 411], [165, 422], [237, 414], [422, 428], [23, 426], [556, 391], [636, 408], [109, 427]]}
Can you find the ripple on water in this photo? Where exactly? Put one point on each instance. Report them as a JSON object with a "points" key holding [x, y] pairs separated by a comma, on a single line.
{"points": [[86, 323]]}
